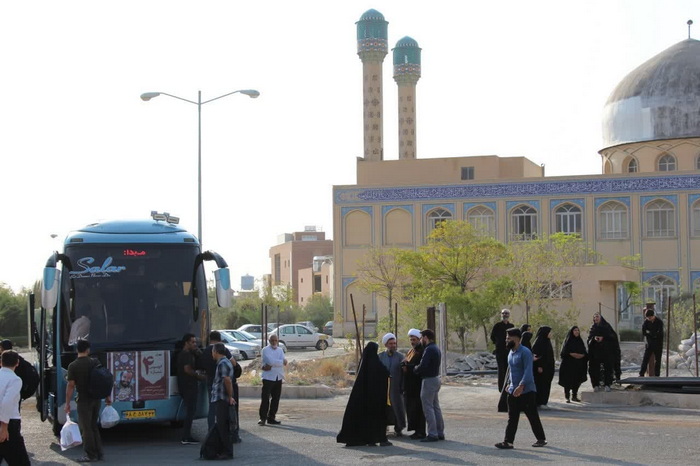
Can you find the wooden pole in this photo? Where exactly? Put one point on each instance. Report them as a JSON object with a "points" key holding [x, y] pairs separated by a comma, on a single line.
{"points": [[668, 333], [357, 331], [695, 336], [396, 321], [364, 314]]}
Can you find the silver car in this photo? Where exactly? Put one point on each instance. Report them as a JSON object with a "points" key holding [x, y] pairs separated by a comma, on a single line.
{"points": [[242, 335], [248, 350]]}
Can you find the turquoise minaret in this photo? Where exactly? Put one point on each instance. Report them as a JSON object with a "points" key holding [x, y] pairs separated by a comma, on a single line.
{"points": [[372, 47], [406, 75]]}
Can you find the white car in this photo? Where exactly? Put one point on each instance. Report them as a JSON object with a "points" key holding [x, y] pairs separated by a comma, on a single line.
{"points": [[299, 336], [242, 335], [253, 329]]}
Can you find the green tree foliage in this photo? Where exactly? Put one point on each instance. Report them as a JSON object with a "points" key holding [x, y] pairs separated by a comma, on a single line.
{"points": [[540, 268], [318, 310], [560, 324], [380, 272], [460, 267], [13, 313]]}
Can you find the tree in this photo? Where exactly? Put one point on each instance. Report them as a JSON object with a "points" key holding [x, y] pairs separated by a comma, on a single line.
{"points": [[542, 269], [318, 310], [13, 313], [459, 266], [380, 272]]}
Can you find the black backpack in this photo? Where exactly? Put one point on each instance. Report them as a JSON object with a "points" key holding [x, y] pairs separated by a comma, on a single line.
{"points": [[30, 378], [100, 381]]}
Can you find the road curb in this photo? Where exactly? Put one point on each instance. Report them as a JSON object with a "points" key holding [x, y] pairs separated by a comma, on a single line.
{"points": [[289, 391]]}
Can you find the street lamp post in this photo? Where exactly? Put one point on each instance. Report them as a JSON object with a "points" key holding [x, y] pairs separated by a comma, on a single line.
{"points": [[146, 96]]}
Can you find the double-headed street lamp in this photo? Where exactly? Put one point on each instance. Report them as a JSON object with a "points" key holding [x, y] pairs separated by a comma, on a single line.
{"points": [[146, 96]]}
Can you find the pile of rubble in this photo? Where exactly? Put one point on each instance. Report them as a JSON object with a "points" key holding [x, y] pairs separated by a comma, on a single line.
{"points": [[480, 361], [687, 353]]}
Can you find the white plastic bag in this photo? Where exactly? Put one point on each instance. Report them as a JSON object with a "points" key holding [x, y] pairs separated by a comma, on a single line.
{"points": [[109, 417], [70, 435]]}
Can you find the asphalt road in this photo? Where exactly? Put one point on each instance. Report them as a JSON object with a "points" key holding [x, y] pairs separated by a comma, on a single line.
{"points": [[577, 434]]}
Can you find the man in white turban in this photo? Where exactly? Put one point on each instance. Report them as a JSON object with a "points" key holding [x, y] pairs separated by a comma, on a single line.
{"points": [[392, 360]]}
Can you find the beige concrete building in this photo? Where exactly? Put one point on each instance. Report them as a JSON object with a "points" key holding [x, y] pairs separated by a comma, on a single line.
{"points": [[646, 201], [316, 280], [295, 252]]}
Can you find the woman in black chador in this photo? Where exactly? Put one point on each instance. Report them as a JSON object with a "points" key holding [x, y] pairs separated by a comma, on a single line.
{"points": [[543, 365], [364, 422], [601, 349], [574, 361]]}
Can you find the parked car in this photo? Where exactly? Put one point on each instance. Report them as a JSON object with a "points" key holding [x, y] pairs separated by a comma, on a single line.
{"points": [[242, 335], [235, 352], [253, 329], [248, 350], [272, 326], [328, 328], [299, 336], [309, 324]]}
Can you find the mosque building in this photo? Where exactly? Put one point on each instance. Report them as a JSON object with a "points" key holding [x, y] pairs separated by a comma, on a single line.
{"points": [[645, 202]]}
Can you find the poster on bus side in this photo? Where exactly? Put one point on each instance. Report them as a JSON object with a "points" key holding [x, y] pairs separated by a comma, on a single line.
{"points": [[140, 375]]}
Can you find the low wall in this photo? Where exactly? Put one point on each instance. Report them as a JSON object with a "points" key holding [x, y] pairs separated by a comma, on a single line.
{"points": [[643, 398], [288, 391]]}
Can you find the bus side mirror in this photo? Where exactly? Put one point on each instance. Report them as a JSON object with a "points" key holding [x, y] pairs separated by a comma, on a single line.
{"points": [[224, 292], [49, 287]]}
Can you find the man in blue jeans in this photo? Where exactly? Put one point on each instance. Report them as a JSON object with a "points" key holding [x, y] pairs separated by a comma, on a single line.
{"points": [[429, 370], [521, 392]]}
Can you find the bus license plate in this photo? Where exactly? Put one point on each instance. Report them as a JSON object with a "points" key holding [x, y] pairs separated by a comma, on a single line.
{"points": [[141, 414]]}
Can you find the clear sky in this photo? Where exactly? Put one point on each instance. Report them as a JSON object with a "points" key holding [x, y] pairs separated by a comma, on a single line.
{"points": [[77, 145]]}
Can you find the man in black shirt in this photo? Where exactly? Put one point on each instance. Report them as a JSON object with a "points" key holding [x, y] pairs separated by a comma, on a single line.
{"points": [[498, 337], [653, 331], [188, 383], [88, 408]]}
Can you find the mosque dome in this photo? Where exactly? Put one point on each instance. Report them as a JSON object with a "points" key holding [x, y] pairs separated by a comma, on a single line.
{"points": [[658, 100], [372, 15]]}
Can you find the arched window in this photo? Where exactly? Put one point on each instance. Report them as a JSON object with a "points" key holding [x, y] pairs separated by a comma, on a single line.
{"points": [[524, 223], [612, 221], [436, 217], [667, 163], [568, 219], [658, 289], [660, 219], [695, 222], [632, 165], [483, 219]]}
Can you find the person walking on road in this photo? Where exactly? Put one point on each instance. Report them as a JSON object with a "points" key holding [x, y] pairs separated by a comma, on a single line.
{"points": [[12, 448], [521, 392], [392, 361], [429, 370], [498, 337], [273, 362], [88, 408]]}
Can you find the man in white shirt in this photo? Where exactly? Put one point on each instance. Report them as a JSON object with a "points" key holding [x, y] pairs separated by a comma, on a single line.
{"points": [[12, 448], [273, 363]]}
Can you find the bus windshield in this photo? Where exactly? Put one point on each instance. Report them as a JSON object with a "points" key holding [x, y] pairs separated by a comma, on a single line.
{"points": [[136, 295]]}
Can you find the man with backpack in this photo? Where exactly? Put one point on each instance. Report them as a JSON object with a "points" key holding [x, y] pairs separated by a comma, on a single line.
{"points": [[79, 372], [25, 371]]}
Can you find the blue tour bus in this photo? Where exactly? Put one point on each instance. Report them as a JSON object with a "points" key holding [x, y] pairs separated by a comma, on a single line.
{"points": [[133, 289]]}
